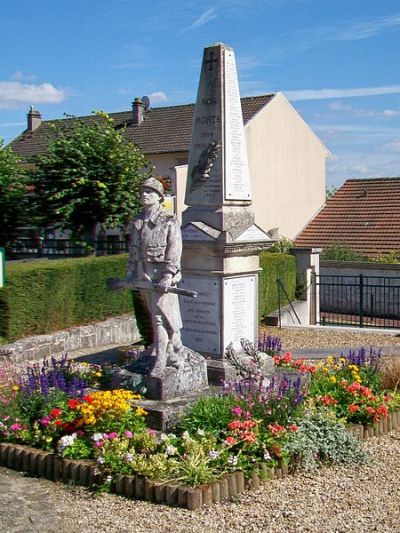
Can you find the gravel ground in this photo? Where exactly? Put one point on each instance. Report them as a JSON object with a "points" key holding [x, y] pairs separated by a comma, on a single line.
{"points": [[333, 500], [299, 338]]}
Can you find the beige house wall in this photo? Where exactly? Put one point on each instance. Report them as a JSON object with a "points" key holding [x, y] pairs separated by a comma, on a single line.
{"points": [[287, 168]]}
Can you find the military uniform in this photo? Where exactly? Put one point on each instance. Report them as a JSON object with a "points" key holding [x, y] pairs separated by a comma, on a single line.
{"points": [[155, 248]]}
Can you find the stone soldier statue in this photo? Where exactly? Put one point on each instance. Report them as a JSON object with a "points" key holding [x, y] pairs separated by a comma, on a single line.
{"points": [[155, 248]]}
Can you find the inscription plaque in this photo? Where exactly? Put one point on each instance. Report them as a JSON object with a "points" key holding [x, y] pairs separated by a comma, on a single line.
{"points": [[201, 316], [237, 178], [240, 307], [253, 233], [191, 233]]}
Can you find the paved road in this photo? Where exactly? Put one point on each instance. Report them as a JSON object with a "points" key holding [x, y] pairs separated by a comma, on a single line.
{"points": [[27, 504]]}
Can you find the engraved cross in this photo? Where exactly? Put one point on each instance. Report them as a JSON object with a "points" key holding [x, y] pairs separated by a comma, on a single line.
{"points": [[210, 61]]}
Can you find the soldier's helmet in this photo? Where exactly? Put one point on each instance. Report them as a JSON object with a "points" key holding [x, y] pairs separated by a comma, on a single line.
{"points": [[155, 185]]}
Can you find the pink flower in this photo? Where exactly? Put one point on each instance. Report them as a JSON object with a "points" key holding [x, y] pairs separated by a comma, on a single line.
{"points": [[237, 411], [128, 434], [152, 432], [99, 443], [16, 427], [112, 435]]}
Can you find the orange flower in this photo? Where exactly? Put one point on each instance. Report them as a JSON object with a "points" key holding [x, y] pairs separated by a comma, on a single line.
{"points": [[230, 440]]}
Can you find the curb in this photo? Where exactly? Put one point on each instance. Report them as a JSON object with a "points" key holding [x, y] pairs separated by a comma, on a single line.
{"points": [[49, 465]]}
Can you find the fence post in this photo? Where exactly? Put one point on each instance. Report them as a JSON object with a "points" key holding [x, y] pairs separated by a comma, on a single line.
{"points": [[361, 300]]}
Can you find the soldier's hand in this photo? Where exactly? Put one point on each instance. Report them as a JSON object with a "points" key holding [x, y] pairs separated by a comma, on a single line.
{"points": [[164, 284]]}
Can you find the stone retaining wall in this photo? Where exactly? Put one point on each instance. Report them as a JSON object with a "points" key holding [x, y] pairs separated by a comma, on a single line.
{"points": [[120, 331], [49, 465]]}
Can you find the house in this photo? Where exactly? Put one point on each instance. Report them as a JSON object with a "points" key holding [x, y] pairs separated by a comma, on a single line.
{"points": [[363, 214], [286, 159]]}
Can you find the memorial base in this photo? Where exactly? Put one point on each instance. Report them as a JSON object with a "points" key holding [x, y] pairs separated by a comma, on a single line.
{"points": [[189, 377]]}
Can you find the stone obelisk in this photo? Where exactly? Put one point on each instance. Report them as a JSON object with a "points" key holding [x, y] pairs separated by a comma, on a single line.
{"points": [[221, 242]]}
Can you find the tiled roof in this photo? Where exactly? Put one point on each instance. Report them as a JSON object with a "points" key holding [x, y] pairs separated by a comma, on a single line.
{"points": [[164, 129], [363, 214]]}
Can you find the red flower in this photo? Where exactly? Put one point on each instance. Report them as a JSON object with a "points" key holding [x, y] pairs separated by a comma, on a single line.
{"points": [[275, 429], [354, 408], [370, 410], [230, 440], [73, 404], [293, 428], [88, 399], [328, 400], [58, 422], [54, 413], [235, 424]]}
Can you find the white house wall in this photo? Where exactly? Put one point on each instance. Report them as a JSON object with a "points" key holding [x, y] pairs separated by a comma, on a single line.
{"points": [[287, 168]]}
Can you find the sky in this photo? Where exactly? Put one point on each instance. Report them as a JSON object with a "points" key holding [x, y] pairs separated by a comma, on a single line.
{"points": [[337, 61]]}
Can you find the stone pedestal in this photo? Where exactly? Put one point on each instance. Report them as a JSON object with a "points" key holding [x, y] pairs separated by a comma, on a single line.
{"points": [[189, 377]]}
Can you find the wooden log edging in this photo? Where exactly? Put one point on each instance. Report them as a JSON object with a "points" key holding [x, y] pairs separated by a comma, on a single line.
{"points": [[49, 465]]}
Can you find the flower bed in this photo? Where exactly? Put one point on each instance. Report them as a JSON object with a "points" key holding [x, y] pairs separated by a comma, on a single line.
{"points": [[50, 465], [307, 414]]}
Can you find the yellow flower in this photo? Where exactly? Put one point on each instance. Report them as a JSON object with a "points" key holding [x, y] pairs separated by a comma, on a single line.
{"points": [[141, 412], [332, 379], [49, 439], [15, 388], [324, 369], [330, 359], [98, 374], [342, 360]]}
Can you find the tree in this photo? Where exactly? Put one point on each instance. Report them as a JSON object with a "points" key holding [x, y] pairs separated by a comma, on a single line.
{"points": [[13, 190], [89, 175]]}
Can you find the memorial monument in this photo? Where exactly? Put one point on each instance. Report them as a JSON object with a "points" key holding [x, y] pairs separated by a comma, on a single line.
{"points": [[154, 269], [221, 241]]}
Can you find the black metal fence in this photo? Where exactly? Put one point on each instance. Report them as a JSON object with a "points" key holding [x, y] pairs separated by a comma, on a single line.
{"points": [[359, 300], [64, 248]]}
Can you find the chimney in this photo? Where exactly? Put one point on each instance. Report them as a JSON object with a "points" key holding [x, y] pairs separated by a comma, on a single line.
{"points": [[34, 119], [137, 111]]}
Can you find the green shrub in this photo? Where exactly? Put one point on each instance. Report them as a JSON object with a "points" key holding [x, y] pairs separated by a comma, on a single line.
{"points": [[274, 266], [45, 296], [336, 251]]}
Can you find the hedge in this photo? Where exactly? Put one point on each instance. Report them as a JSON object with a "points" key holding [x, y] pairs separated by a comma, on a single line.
{"points": [[46, 296], [275, 265]]}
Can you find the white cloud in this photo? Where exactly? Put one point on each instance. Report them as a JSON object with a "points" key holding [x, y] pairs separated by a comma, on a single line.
{"points": [[321, 94], [13, 93], [158, 96], [19, 76], [368, 28], [208, 15], [393, 146], [361, 112]]}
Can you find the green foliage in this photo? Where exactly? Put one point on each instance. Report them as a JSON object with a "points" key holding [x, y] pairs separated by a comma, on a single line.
{"points": [[89, 175], [275, 265], [321, 439], [281, 246], [336, 251], [210, 414], [12, 194], [389, 258], [45, 296]]}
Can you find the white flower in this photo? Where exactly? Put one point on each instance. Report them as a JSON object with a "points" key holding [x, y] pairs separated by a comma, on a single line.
{"points": [[97, 436], [163, 437], [172, 436], [185, 435], [233, 460], [267, 455], [171, 450], [128, 457], [100, 460], [67, 440], [108, 479], [213, 454], [201, 432]]}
